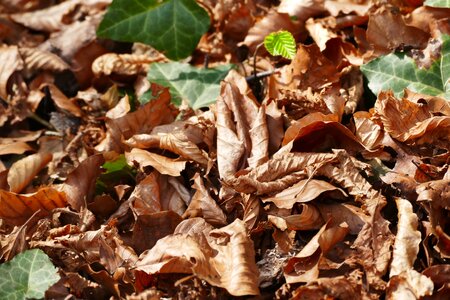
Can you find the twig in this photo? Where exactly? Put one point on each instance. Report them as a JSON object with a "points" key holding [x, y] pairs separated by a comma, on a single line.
{"points": [[261, 75]]}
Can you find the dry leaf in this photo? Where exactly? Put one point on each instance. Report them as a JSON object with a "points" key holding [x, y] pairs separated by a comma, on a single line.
{"points": [[203, 205], [303, 191], [17, 208], [232, 265], [12, 62], [23, 171], [123, 64], [304, 267], [164, 165]]}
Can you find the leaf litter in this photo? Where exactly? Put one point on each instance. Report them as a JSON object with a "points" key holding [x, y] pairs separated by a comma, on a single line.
{"points": [[309, 188]]}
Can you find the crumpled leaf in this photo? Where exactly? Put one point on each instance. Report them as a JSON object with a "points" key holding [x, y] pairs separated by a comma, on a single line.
{"points": [[33, 273], [278, 173], [405, 120], [406, 245], [123, 64], [242, 134], [163, 164], [143, 120], [228, 263], [203, 205], [309, 218], [304, 266]]}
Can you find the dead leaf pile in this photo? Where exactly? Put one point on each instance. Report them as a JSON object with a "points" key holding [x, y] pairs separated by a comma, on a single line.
{"points": [[306, 189]]}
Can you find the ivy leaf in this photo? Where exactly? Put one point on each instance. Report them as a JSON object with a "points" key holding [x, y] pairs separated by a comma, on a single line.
{"points": [[199, 87], [173, 27], [437, 3], [397, 71], [281, 43], [27, 276]]}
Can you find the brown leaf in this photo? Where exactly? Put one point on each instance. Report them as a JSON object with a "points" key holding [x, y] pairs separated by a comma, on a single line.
{"points": [[303, 10], [14, 148], [23, 171], [278, 173], [303, 191], [409, 285], [35, 59], [150, 228], [49, 19], [309, 218], [17, 208], [406, 245], [273, 21], [203, 205], [304, 266], [231, 266], [242, 135], [12, 62], [80, 183], [342, 212], [123, 64], [143, 120], [164, 165], [397, 34]]}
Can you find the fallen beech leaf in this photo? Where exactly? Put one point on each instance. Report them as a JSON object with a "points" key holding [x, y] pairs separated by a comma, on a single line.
{"points": [[14, 148], [303, 10], [320, 33], [203, 205], [303, 191], [150, 228], [23, 171], [231, 264], [242, 135], [387, 38], [17, 208], [49, 19], [164, 165], [63, 102], [80, 183], [406, 245], [308, 219], [12, 62], [417, 122], [375, 239], [341, 287], [409, 284], [304, 267], [367, 130], [121, 109], [278, 173], [35, 59], [123, 64], [342, 212], [143, 120]]}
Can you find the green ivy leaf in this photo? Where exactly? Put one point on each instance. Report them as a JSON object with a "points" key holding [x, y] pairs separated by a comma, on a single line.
{"points": [[437, 3], [397, 71], [116, 172], [281, 43], [199, 87], [173, 27], [27, 276]]}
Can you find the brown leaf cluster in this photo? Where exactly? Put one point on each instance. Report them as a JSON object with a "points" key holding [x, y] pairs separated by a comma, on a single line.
{"points": [[292, 185]]}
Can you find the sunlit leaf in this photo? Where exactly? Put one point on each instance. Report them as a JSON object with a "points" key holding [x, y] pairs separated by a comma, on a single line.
{"points": [[437, 3], [27, 276], [173, 27], [200, 87], [281, 43], [397, 72]]}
